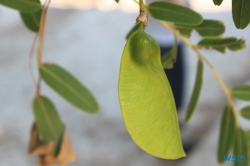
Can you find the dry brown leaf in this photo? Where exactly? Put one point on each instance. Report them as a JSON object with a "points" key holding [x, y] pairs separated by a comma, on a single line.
{"points": [[66, 154], [38, 147]]}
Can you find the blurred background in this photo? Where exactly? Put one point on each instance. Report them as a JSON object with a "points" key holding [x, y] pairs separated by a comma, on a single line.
{"points": [[87, 38]]}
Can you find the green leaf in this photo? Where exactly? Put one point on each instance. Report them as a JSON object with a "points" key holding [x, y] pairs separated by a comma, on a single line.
{"points": [[245, 112], [135, 27], [68, 87], [146, 98], [241, 148], [228, 131], [220, 44], [169, 58], [241, 12], [174, 13], [248, 140], [48, 121], [241, 92], [32, 20], [208, 28], [117, 1], [218, 2], [196, 91], [25, 6], [186, 32]]}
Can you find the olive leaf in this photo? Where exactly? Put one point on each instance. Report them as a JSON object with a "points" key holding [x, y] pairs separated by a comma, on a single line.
{"points": [[25, 6], [68, 87], [133, 29], [208, 28], [196, 91], [228, 131], [32, 20], [38, 147], [241, 92], [146, 98], [248, 140], [241, 148], [218, 2], [220, 44], [241, 12], [245, 112], [169, 58], [48, 121], [174, 13]]}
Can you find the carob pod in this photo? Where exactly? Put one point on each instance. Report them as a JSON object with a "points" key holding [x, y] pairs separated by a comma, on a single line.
{"points": [[146, 98]]}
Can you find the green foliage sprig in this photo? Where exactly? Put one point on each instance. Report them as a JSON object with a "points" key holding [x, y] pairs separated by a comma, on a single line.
{"points": [[181, 21], [211, 31]]}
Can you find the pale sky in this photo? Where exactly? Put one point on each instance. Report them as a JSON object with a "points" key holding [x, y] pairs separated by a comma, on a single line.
{"points": [[131, 6]]}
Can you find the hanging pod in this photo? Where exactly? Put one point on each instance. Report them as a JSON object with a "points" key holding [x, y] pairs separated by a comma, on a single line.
{"points": [[146, 98]]}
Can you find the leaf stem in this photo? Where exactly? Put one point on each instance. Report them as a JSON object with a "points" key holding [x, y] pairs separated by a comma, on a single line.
{"points": [[216, 74], [142, 8], [41, 42], [30, 59], [170, 27]]}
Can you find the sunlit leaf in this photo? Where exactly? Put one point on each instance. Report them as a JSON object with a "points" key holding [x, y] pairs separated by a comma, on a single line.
{"points": [[169, 58], [48, 121], [68, 87], [241, 92], [186, 32], [245, 112], [248, 140], [241, 148], [208, 28], [218, 2], [146, 98], [25, 6], [135, 27], [32, 20], [174, 13], [241, 12], [196, 91], [228, 131], [220, 44]]}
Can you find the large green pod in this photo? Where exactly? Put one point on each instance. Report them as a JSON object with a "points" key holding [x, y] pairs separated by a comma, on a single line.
{"points": [[146, 98]]}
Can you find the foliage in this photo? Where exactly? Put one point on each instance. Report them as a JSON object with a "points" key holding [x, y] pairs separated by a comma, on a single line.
{"points": [[145, 95]]}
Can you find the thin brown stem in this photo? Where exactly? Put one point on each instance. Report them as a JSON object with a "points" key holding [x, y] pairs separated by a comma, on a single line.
{"points": [[41, 43], [30, 59]]}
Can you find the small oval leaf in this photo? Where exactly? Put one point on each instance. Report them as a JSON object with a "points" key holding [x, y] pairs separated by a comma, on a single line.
{"points": [[48, 121], [241, 92], [245, 112], [241, 12], [68, 87], [220, 44], [196, 91], [26, 6], [241, 148], [174, 13], [146, 98], [218, 2], [248, 134], [32, 20], [228, 131], [208, 28]]}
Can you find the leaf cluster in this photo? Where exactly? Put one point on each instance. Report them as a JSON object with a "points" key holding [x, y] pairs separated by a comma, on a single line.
{"points": [[184, 20]]}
